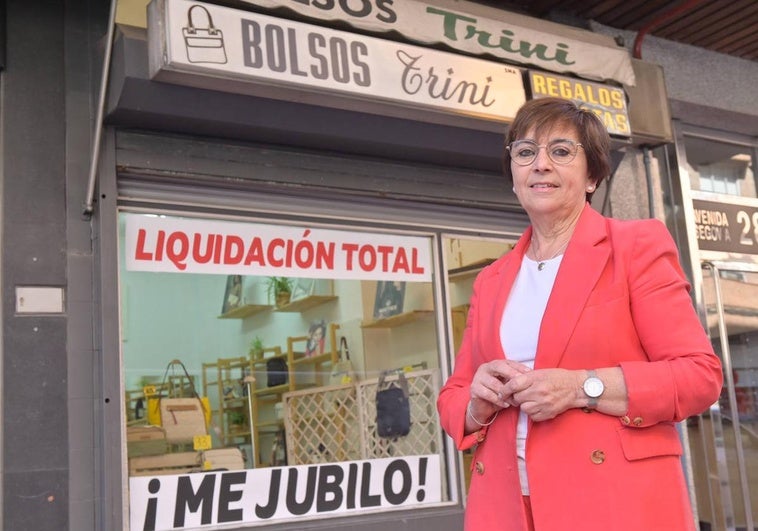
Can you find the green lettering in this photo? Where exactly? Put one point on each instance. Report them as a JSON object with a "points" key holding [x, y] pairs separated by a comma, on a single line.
{"points": [[449, 21], [561, 55], [505, 42]]}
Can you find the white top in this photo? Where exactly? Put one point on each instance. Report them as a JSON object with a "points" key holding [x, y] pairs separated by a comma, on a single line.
{"points": [[520, 329]]}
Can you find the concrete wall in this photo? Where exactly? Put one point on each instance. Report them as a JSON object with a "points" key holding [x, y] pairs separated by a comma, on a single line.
{"points": [[49, 396], [705, 88], [35, 419]]}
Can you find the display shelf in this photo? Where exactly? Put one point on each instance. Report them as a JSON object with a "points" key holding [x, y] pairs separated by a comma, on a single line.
{"points": [[459, 317], [398, 320], [156, 465], [245, 310], [263, 398], [305, 303], [272, 398], [227, 379], [260, 373], [270, 427], [275, 390], [314, 360], [264, 421], [469, 270], [234, 433]]}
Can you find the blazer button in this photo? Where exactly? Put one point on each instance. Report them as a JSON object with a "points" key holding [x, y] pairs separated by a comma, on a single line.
{"points": [[480, 436], [597, 457], [637, 421], [625, 420], [479, 466]]}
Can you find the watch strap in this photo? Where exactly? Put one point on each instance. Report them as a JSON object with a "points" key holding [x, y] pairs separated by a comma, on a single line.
{"points": [[592, 402]]}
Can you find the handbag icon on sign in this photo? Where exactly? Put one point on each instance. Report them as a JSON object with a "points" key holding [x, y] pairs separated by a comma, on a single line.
{"points": [[204, 44]]}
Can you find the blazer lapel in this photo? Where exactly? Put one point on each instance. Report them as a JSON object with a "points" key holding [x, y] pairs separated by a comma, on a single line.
{"points": [[581, 267]]}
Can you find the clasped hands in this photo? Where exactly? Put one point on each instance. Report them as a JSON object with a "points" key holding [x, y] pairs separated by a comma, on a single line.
{"points": [[542, 394]]}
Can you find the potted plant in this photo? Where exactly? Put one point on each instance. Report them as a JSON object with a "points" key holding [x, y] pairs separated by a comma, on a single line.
{"points": [[237, 421], [256, 348], [280, 290]]}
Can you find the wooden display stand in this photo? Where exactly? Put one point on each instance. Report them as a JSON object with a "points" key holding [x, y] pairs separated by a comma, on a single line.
{"points": [[265, 420], [263, 399], [226, 382], [398, 320], [145, 440], [186, 462], [299, 364], [159, 465], [148, 448]]}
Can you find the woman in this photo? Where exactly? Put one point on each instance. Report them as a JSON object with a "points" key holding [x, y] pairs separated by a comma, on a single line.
{"points": [[581, 352], [316, 336]]}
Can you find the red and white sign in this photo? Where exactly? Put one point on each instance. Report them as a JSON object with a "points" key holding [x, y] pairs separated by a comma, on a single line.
{"points": [[178, 245], [280, 493]]}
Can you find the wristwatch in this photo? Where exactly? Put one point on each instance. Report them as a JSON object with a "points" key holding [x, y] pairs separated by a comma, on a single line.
{"points": [[593, 387]]}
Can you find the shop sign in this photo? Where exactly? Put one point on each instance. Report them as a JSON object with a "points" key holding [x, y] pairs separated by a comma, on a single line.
{"points": [[606, 101], [175, 245], [430, 22], [271, 494], [726, 227], [218, 42]]}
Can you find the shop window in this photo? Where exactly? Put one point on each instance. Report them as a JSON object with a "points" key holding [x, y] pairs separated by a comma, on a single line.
{"points": [[254, 360], [464, 259], [720, 167], [719, 184]]}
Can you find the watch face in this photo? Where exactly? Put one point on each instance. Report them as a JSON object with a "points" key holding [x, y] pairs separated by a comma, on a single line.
{"points": [[593, 387]]}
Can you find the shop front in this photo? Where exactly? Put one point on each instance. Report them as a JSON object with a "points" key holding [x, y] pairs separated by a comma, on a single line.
{"points": [[291, 219], [280, 355]]}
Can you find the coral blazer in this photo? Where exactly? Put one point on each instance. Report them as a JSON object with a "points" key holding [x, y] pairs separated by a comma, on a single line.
{"points": [[620, 299]]}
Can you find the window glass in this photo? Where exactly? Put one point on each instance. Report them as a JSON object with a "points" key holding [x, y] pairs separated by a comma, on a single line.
{"points": [[464, 259], [724, 440], [720, 167], [274, 372]]}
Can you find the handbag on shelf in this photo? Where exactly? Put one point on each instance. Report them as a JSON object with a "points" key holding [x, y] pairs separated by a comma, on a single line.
{"points": [[342, 371], [182, 418], [277, 372], [393, 409]]}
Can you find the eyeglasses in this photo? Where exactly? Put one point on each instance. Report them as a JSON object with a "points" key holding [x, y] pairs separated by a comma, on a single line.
{"points": [[560, 151]]}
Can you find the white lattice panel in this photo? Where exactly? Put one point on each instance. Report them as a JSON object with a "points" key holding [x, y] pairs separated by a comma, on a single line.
{"points": [[322, 425], [338, 423]]}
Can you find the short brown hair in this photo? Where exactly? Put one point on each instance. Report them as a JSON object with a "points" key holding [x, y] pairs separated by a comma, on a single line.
{"points": [[542, 114]]}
